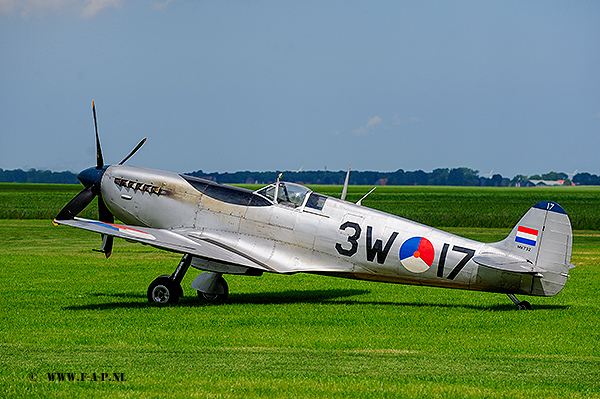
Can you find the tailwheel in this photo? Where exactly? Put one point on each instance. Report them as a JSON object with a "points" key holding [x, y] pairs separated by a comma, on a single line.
{"points": [[524, 305], [219, 292], [164, 291], [521, 305]]}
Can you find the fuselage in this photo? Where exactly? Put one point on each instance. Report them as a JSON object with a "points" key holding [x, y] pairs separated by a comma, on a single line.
{"points": [[312, 233]]}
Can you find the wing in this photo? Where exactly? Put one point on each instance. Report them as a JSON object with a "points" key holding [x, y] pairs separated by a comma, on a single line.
{"points": [[170, 240]]}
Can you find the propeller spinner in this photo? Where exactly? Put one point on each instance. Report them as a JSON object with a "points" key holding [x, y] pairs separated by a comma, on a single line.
{"points": [[91, 178]]}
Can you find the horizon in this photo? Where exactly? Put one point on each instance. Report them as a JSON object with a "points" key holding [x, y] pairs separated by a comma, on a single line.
{"points": [[207, 173]]}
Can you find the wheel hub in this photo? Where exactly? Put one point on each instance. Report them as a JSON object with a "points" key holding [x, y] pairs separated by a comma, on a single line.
{"points": [[160, 294]]}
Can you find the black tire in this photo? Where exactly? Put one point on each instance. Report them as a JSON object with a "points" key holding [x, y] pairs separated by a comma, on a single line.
{"points": [[524, 305], [178, 285], [216, 299], [164, 291]]}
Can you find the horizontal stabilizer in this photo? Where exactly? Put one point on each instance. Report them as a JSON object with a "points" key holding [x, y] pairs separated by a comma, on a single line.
{"points": [[507, 264]]}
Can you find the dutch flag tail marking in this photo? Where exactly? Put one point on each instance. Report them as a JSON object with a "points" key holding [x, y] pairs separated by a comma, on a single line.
{"points": [[527, 236]]}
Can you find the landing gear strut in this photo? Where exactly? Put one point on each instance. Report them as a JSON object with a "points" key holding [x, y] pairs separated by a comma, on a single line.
{"points": [[521, 305], [167, 289]]}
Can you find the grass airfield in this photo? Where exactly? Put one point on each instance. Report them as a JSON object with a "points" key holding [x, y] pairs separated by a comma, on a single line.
{"points": [[69, 310]]}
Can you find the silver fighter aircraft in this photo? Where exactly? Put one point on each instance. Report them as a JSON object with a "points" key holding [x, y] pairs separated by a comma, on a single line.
{"points": [[287, 228]]}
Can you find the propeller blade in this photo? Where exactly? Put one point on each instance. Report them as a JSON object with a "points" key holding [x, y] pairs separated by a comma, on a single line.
{"points": [[107, 243], [77, 204], [137, 147], [107, 217], [99, 159]]}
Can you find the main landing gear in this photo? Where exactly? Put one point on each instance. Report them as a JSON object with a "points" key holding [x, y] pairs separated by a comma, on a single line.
{"points": [[164, 290], [521, 305], [167, 289], [211, 287]]}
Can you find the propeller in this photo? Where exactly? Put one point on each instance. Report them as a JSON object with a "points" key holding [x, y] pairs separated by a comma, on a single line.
{"points": [[137, 147], [107, 217], [77, 204], [91, 178], [99, 159]]}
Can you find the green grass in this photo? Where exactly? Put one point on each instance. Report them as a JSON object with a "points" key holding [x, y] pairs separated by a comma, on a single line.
{"points": [[67, 309], [476, 206], [434, 206], [39, 201]]}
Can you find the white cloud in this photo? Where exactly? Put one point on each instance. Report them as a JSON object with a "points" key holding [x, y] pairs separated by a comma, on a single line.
{"points": [[164, 4], [92, 7], [7, 6], [84, 8], [373, 123], [28, 7]]}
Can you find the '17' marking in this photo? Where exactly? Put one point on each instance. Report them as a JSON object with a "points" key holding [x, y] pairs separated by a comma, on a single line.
{"points": [[376, 250]]}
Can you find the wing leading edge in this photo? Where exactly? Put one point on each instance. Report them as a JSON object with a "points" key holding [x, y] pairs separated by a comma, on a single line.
{"points": [[170, 240]]}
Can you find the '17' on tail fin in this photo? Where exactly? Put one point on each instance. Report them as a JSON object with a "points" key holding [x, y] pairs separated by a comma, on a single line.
{"points": [[543, 239]]}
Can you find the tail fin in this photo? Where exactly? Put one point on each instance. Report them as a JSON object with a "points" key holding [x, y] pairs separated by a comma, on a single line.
{"points": [[543, 237]]}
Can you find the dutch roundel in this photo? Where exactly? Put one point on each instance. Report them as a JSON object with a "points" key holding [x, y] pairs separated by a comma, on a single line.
{"points": [[417, 254]]}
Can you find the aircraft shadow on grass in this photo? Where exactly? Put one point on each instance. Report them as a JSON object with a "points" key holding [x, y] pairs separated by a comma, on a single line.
{"points": [[496, 308], [258, 298], [134, 300]]}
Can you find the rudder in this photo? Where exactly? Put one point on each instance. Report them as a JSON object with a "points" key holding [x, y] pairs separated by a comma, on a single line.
{"points": [[543, 237]]}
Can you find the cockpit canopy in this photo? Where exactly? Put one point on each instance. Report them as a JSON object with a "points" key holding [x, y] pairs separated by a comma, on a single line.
{"points": [[290, 194]]}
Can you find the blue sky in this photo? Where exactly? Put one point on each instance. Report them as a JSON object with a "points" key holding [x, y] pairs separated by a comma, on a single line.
{"points": [[254, 85]]}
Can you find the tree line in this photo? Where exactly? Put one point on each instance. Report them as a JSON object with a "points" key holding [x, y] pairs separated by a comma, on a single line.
{"points": [[437, 177], [37, 176]]}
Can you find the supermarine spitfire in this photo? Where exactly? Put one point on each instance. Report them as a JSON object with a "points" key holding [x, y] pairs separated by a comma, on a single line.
{"points": [[287, 228]]}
